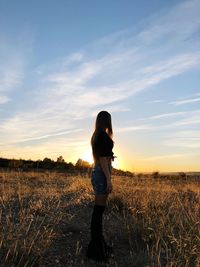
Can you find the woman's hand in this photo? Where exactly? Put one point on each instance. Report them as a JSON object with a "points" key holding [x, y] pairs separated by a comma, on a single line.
{"points": [[109, 186]]}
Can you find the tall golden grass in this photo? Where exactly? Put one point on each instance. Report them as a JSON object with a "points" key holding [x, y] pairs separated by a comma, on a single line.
{"points": [[150, 220]]}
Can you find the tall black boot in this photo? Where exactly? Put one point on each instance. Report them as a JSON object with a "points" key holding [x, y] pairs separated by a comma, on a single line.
{"points": [[99, 232], [96, 248], [96, 222], [108, 249]]}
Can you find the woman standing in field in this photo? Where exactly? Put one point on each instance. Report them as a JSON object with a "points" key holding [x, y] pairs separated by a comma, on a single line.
{"points": [[102, 145]]}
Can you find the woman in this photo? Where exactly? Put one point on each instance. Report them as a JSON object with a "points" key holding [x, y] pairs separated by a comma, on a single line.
{"points": [[102, 145]]}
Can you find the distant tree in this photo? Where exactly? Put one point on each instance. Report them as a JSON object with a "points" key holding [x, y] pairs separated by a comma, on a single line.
{"points": [[60, 163], [14, 163], [47, 160], [28, 164], [70, 166], [82, 163], [38, 164], [4, 162], [47, 163], [60, 159]]}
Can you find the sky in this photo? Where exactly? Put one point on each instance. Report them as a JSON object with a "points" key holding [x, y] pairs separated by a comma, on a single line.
{"points": [[61, 62]]}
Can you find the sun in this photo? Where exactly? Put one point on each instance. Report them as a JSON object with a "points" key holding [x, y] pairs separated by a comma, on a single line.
{"points": [[87, 156]]}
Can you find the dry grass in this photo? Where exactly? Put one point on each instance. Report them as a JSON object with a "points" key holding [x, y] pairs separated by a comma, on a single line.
{"points": [[45, 220]]}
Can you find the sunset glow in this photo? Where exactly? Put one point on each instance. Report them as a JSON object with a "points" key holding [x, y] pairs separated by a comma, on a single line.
{"points": [[87, 156]]}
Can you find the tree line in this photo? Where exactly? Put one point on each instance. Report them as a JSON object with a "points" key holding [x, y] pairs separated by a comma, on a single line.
{"points": [[80, 167]]}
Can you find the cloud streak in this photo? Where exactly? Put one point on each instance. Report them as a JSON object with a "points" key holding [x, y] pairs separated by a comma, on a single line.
{"points": [[186, 101], [4, 99], [11, 73], [163, 157]]}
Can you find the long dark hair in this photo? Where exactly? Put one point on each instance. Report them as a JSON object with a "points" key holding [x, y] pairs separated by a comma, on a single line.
{"points": [[103, 123]]}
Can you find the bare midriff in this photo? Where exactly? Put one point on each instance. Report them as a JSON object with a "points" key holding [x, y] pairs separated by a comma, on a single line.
{"points": [[109, 160]]}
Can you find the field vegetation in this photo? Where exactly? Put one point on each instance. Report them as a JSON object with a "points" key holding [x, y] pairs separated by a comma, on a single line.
{"points": [[151, 220]]}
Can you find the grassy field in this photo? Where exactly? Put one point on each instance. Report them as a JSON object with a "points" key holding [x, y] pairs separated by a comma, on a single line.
{"points": [[150, 220]]}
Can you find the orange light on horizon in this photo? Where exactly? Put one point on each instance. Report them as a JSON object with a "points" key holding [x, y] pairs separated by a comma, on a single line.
{"points": [[87, 156]]}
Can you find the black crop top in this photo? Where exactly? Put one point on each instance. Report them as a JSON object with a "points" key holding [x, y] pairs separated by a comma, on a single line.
{"points": [[102, 146]]}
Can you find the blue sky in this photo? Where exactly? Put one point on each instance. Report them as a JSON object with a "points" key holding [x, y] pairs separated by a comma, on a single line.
{"points": [[64, 61]]}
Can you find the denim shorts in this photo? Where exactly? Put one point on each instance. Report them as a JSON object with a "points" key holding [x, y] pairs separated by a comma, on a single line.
{"points": [[98, 180]]}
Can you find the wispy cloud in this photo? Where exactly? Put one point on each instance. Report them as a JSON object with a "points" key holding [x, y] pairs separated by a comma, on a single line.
{"points": [[175, 129], [4, 99], [12, 65], [177, 24], [187, 143], [14, 54], [156, 101], [184, 139], [49, 135], [11, 75], [113, 108], [163, 157], [186, 101], [166, 115], [194, 120], [180, 119], [185, 134], [133, 128]]}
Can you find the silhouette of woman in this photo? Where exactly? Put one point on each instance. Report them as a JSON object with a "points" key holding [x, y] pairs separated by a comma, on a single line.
{"points": [[102, 145]]}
